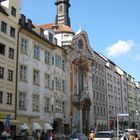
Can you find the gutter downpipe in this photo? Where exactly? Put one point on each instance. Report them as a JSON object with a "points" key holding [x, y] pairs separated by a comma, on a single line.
{"points": [[16, 90]]}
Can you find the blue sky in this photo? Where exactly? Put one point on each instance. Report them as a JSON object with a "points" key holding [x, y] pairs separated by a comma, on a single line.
{"points": [[113, 26]]}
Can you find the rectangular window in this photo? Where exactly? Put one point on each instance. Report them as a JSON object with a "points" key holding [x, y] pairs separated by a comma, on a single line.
{"points": [[36, 52], [1, 96], [23, 73], [12, 32], [10, 75], [51, 37], [63, 65], [1, 72], [47, 57], [11, 53], [35, 103], [13, 11], [47, 80], [9, 98], [63, 85], [22, 101], [3, 27], [2, 49], [24, 45], [55, 41], [36, 77], [57, 61], [47, 104]]}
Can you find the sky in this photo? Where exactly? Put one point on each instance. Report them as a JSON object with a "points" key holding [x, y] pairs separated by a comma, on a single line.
{"points": [[113, 27]]}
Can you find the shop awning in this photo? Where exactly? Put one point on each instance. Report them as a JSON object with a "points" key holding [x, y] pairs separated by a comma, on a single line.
{"points": [[12, 122], [36, 126], [23, 126], [47, 126]]}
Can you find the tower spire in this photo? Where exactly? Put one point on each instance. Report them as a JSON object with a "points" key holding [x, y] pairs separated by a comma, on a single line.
{"points": [[62, 16]]}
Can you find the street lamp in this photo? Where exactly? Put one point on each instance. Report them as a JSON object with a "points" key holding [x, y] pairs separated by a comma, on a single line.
{"points": [[71, 117]]}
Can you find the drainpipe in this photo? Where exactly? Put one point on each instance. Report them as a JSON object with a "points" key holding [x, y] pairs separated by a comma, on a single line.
{"points": [[16, 88]]}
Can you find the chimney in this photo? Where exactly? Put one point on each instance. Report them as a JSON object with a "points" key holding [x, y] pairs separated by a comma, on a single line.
{"points": [[29, 24], [22, 20]]}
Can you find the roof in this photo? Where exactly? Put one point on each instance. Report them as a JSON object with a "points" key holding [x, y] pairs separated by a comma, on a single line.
{"points": [[3, 10], [57, 28]]}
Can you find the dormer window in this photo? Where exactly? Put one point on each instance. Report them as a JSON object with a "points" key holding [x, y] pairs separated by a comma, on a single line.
{"points": [[51, 37], [80, 44]]}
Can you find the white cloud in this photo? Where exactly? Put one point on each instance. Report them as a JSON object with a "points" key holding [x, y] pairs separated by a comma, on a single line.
{"points": [[136, 57], [121, 47]]}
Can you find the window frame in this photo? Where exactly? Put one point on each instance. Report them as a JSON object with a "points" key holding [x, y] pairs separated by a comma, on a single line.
{"points": [[1, 73], [3, 27]]}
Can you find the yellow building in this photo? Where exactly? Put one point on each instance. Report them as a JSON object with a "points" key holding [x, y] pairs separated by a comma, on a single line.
{"points": [[9, 16]]}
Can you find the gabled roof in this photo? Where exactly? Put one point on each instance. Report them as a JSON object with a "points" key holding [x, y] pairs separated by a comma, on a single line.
{"points": [[57, 28]]}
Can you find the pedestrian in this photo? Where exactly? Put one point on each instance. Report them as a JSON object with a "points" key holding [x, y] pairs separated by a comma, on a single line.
{"points": [[136, 136], [132, 136], [91, 135], [38, 134], [4, 135], [42, 135]]}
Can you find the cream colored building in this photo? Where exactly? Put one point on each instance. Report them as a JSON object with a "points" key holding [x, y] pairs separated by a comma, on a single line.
{"points": [[9, 16], [41, 80]]}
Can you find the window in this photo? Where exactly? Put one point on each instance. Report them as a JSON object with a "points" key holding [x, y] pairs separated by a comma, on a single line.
{"points": [[63, 65], [35, 103], [47, 57], [10, 75], [63, 85], [80, 44], [47, 80], [36, 77], [51, 37], [60, 8], [1, 96], [2, 49], [23, 73], [3, 27], [22, 101], [55, 41], [9, 98], [1, 72], [57, 61], [11, 53], [13, 11], [36, 52], [12, 32], [24, 45], [47, 104]]}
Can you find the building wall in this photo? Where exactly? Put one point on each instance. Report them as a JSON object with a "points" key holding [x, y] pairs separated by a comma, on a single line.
{"points": [[114, 95], [99, 94], [10, 42], [54, 92]]}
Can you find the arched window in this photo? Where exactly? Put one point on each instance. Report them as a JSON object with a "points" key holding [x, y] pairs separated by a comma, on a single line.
{"points": [[60, 8], [80, 44]]}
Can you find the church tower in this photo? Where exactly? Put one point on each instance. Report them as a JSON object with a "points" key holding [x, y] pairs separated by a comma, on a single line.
{"points": [[62, 16]]}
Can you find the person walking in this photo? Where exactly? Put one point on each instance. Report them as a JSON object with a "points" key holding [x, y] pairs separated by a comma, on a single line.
{"points": [[91, 135], [42, 135], [4, 135]]}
